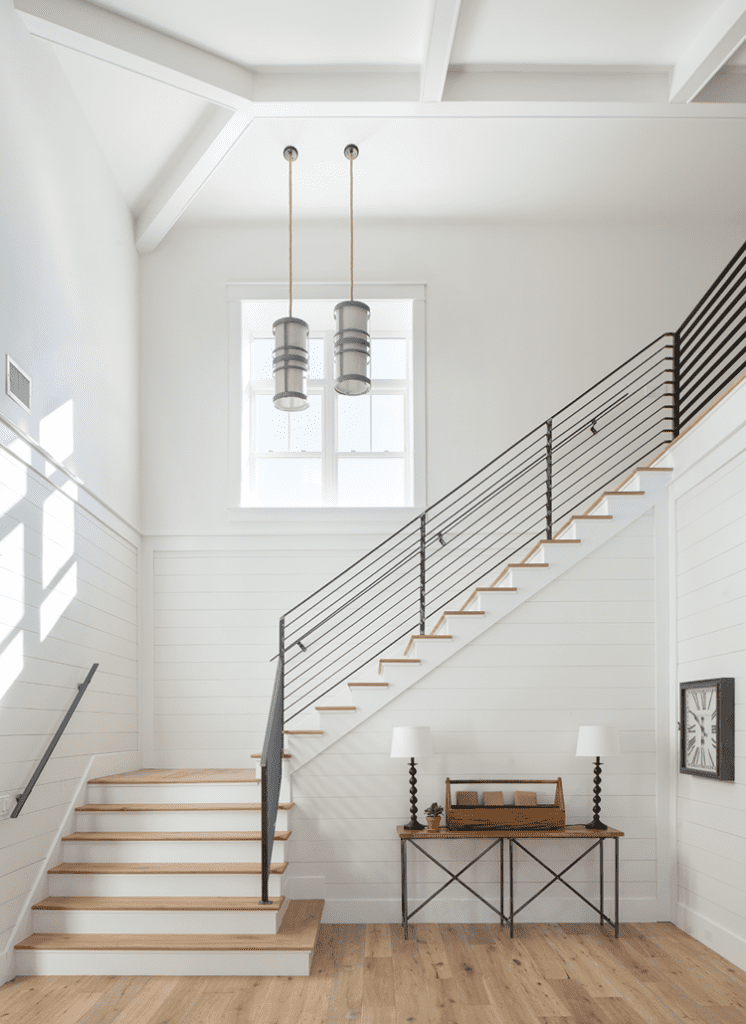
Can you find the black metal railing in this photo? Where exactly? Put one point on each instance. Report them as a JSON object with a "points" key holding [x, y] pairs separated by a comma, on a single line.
{"points": [[463, 539], [711, 342], [271, 779], [23, 797], [493, 517]]}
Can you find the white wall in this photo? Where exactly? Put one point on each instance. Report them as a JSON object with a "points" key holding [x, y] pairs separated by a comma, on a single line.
{"points": [[520, 319], [710, 533], [68, 291], [68, 565], [508, 705]]}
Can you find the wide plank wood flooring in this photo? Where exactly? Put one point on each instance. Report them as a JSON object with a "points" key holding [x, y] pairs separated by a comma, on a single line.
{"points": [[444, 974]]}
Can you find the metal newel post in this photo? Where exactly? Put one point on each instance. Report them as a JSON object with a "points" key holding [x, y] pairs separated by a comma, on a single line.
{"points": [[423, 541], [676, 384], [282, 669], [549, 479]]}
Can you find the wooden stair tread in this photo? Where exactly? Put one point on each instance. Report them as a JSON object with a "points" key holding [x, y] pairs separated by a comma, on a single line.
{"points": [[298, 931], [157, 903], [626, 494], [158, 868], [425, 636], [302, 732], [396, 661], [527, 565], [445, 615], [337, 707], [104, 808], [155, 837], [160, 776], [284, 755], [367, 684]]}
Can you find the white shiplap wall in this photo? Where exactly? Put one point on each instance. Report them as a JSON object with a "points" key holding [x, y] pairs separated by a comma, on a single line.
{"points": [[68, 586], [509, 704], [217, 602], [711, 600]]}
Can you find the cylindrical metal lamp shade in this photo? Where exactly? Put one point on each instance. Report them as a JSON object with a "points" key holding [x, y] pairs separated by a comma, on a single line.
{"points": [[352, 348], [290, 364]]}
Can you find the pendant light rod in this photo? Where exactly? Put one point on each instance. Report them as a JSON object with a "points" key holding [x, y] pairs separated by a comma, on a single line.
{"points": [[290, 153], [351, 153]]}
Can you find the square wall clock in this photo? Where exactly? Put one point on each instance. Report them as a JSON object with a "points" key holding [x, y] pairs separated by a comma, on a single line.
{"points": [[707, 717]]}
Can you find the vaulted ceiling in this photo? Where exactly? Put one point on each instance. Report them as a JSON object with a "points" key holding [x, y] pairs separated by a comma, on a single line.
{"points": [[469, 109]]}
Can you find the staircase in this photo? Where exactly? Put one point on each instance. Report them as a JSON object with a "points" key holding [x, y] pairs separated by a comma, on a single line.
{"points": [[387, 678], [163, 878]]}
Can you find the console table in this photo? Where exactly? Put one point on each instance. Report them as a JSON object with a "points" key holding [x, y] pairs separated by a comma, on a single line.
{"points": [[517, 837]]}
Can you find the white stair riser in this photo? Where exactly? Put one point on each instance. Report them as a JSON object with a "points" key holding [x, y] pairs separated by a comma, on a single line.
{"points": [[163, 885], [156, 922], [168, 851], [285, 789], [238, 793], [496, 603], [174, 821], [164, 963], [626, 508]]}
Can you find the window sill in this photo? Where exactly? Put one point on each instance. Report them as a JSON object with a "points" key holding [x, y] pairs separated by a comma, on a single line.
{"points": [[403, 512]]}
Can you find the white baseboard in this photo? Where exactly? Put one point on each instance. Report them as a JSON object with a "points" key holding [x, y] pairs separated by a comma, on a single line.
{"points": [[713, 935], [470, 911], [98, 764]]}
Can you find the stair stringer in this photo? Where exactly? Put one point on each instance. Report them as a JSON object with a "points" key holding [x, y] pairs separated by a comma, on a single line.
{"points": [[496, 605]]}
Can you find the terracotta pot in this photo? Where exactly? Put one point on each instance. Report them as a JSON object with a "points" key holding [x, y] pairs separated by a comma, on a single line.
{"points": [[433, 824]]}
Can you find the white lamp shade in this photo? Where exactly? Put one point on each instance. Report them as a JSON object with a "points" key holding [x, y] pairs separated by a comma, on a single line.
{"points": [[597, 741], [411, 741]]}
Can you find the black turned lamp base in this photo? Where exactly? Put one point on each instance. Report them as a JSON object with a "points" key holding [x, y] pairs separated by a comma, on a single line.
{"points": [[597, 824], [413, 824]]}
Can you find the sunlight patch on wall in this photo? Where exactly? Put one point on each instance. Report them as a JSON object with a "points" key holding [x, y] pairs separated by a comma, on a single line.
{"points": [[14, 484], [58, 535], [55, 603], [56, 431], [12, 580], [11, 663]]}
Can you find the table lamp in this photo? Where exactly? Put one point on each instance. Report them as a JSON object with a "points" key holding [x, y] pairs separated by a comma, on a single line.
{"points": [[597, 741], [412, 741]]}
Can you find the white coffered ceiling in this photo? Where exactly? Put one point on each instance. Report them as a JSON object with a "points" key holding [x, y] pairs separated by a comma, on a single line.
{"points": [[499, 109]]}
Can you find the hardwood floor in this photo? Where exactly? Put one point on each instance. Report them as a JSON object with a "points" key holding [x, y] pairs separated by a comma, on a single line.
{"points": [[444, 974]]}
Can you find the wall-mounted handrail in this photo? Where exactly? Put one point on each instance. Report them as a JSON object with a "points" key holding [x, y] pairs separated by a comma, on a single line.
{"points": [[23, 797]]}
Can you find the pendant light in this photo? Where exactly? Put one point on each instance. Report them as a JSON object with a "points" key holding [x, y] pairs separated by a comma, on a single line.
{"points": [[290, 360], [351, 338]]}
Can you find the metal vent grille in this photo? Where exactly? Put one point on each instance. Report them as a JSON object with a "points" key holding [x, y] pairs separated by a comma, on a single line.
{"points": [[17, 384]]}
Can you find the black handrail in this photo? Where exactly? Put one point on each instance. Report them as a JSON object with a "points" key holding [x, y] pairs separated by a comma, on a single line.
{"points": [[23, 797], [271, 763], [492, 517]]}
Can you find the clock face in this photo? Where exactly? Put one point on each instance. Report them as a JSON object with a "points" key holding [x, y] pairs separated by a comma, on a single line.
{"points": [[701, 723]]}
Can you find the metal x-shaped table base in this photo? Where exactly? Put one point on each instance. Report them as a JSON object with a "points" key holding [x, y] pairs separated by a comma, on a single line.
{"points": [[406, 916], [557, 877]]}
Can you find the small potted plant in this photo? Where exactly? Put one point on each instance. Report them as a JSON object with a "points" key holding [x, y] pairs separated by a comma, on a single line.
{"points": [[433, 814]]}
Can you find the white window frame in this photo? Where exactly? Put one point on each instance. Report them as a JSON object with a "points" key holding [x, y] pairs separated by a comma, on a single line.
{"points": [[237, 294]]}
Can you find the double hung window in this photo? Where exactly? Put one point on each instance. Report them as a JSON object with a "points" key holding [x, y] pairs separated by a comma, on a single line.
{"points": [[348, 451]]}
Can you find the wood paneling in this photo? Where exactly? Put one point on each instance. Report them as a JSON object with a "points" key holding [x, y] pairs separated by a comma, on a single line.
{"points": [[711, 585], [68, 586]]}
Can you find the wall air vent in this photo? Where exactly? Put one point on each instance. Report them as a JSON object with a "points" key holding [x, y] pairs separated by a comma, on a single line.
{"points": [[17, 384]]}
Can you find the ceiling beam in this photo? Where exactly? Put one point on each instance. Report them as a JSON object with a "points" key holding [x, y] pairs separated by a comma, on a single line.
{"points": [[718, 40], [438, 55], [180, 183], [127, 44]]}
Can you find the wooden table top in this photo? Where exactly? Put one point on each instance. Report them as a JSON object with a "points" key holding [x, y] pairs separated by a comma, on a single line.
{"points": [[568, 832]]}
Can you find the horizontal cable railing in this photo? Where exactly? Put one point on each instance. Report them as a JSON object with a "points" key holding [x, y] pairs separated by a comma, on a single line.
{"points": [[468, 537], [711, 342]]}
